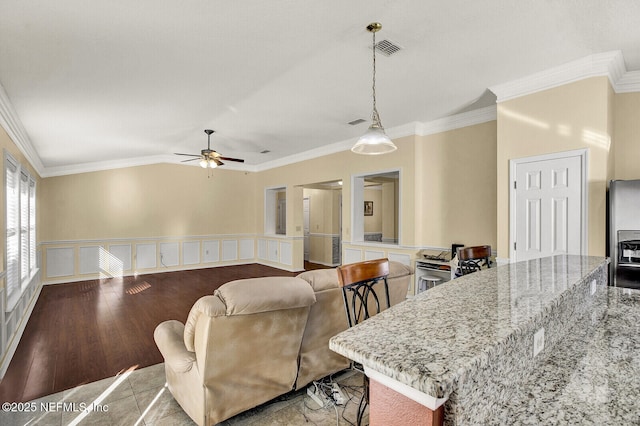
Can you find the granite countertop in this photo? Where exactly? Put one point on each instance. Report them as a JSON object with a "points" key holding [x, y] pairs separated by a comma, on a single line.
{"points": [[429, 341], [592, 377]]}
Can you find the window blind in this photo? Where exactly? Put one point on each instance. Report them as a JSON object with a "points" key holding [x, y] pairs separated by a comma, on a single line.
{"points": [[12, 235], [20, 213], [24, 227]]}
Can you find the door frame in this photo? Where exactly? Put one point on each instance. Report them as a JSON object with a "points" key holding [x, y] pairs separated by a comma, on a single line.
{"points": [[584, 202]]}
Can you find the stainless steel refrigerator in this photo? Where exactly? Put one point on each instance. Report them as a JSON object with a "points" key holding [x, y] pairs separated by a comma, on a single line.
{"points": [[624, 232]]}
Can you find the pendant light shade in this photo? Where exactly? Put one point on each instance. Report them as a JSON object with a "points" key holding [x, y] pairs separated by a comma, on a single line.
{"points": [[375, 141]]}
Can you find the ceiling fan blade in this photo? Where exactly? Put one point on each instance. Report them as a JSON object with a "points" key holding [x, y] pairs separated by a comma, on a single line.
{"points": [[232, 159], [192, 155], [218, 162], [191, 159]]}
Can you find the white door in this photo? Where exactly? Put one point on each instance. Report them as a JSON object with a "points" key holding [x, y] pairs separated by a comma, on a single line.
{"points": [[305, 210], [548, 207]]}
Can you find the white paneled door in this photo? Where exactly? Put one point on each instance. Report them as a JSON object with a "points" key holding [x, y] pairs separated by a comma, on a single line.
{"points": [[548, 207]]}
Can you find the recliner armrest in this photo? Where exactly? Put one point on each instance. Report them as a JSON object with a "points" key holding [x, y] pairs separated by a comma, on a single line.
{"points": [[169, 339]]}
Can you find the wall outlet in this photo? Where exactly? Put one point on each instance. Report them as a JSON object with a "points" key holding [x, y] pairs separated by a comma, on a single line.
{"points": [[593, 287], [538, 342]]}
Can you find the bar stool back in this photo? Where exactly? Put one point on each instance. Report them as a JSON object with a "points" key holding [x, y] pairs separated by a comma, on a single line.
{"points": [[358, 280]]}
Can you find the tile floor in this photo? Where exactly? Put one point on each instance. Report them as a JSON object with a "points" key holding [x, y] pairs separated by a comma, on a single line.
{"points": [[140, 397]]}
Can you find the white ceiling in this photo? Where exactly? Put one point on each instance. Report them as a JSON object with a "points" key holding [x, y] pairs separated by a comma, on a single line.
{"points": [[101, 83]]}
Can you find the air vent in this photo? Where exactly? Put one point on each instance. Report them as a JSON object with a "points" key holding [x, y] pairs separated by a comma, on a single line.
{"points": [[356, 122], [387, 47]]}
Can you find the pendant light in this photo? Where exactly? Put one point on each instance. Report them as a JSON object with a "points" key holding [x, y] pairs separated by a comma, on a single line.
{"points": [[375, 141]]}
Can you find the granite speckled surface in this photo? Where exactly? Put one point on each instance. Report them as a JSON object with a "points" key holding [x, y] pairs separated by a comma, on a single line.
{"points": [[592, 377], [476, 333]]}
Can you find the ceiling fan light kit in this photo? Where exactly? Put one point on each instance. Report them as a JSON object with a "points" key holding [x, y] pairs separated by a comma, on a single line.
{"points": [[208, 157], [375, 141]]}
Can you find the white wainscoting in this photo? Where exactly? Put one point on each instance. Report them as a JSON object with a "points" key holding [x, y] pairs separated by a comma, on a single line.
{"points": [[286, 253], [90, 259], [373, 254], [119, 259], [169, 254], [352, 256], [276, 250], [67, 261], [229, 250], [191, 252], [60, 262], [146, 257], [12, 324], [211, 251], [355, 253], [246, 249], [272, 250], [403, 258], [262, 249]]}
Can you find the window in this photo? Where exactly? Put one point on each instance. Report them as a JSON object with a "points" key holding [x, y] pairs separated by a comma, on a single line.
{"points": [[20, 214]]}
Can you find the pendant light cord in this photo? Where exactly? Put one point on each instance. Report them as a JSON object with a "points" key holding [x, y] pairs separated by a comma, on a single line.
{"points": [[374, 115]]}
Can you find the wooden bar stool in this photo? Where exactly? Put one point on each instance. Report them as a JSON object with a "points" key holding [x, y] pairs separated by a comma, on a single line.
{"points": [[472, 259], [357, 281]]}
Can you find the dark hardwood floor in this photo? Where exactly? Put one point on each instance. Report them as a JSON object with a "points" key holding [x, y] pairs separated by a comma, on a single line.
{"points": [[86, 331]]}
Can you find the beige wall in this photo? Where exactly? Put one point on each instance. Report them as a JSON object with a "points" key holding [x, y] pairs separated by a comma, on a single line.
{"points": [[564, 118], [373, 224], [390, 208], [627, 135], [147, 201], [456, 187]]}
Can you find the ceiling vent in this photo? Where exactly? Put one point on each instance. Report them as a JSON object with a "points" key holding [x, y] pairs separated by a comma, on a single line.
{"points": [[387, 47], [356, 122]]}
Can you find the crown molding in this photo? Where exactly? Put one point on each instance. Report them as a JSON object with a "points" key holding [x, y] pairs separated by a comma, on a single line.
{"points": [[457, 121], [628, 83], [123, 163], [397, 132], [609, 64], [13, 126]]}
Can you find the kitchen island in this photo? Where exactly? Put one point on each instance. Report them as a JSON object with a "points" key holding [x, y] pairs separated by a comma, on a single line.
{"points": [[463, 352]]}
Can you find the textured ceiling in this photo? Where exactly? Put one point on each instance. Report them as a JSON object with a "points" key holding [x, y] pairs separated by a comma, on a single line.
{"points": [[111, 82]]}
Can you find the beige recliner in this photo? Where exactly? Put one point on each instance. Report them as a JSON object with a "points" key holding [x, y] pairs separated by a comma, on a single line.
{"points": [[238, 349]]}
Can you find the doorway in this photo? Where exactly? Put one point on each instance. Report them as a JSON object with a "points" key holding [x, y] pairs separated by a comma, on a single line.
{"points": [[322, 223]]}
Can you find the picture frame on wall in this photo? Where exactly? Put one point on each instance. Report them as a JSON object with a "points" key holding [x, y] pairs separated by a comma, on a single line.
{"points": [[368, 208]]}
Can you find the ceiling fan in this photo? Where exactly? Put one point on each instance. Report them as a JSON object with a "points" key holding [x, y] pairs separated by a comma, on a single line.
{"points": [[208, 157]]}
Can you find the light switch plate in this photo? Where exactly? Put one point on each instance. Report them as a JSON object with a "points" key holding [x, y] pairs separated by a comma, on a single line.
{"points": [[538, 341], [593, 287]]}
